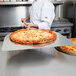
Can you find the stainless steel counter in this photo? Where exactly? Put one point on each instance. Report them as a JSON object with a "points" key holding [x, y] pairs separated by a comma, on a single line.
{"points": [[37, 63], [27, 2], [1, 44], [15, 3]]}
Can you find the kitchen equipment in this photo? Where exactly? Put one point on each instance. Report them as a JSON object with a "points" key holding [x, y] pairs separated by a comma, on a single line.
{"points": [[70, 13], [63, 26], [8, 45]]}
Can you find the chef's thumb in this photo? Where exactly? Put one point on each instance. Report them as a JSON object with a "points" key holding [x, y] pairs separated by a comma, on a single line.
{"points": [[25, 26]]}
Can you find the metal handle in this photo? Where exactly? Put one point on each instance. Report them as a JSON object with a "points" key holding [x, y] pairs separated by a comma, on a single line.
{"points": [[28, 27], [24, 22]]}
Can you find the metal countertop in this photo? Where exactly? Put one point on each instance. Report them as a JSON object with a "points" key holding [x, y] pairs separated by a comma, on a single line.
{"points": [[27, 3], [59, 64]]}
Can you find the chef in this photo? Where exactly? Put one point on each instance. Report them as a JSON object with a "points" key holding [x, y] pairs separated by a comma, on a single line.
{"points": [[41, 14]]}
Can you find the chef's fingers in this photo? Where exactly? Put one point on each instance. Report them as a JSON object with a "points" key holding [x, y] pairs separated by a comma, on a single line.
{"points": [[32, 25], [29, 24], [22, 19], [25, 26]]}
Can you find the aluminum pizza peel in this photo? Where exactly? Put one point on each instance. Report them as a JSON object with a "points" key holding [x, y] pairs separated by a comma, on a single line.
{"points": [[8, 45]]}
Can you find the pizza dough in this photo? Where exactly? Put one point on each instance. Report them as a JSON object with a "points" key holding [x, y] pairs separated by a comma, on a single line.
{"points": [[69, 48], [33, 36]]}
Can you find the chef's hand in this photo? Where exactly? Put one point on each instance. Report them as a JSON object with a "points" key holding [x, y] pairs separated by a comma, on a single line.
{"points": [[31, 25], [23, 19]]}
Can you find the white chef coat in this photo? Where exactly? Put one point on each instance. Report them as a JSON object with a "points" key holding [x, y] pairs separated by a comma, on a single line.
{"points": [[42, 13]]}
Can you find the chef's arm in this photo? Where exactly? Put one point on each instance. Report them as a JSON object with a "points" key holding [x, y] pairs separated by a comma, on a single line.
{"points": [[25, 19], [47, 16], [41, 25], [31, 25]]}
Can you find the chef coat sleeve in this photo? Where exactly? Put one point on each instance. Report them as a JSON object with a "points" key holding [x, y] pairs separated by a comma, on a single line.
{"points": [[47, 15]]}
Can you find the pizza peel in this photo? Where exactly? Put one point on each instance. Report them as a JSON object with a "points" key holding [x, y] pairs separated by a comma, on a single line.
{"points": [[8, 45]]}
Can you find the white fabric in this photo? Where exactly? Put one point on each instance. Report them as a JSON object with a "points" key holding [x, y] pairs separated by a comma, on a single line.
{"points": [[42, 13]]}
